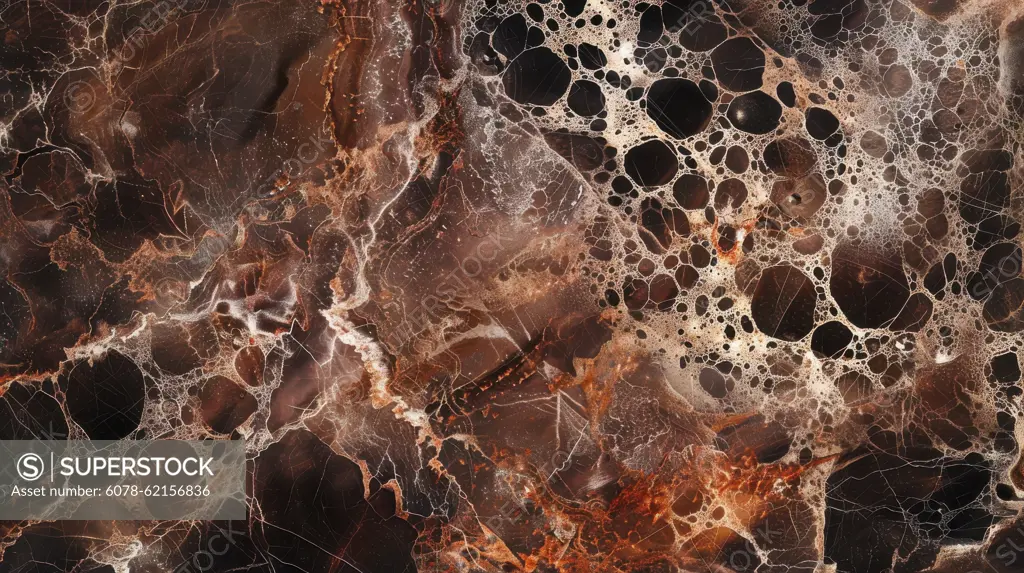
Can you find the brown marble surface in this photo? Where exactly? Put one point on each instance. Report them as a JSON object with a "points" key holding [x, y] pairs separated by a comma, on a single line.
{"points": [[592, 286]]}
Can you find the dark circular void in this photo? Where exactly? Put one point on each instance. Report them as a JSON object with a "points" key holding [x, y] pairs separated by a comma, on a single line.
{"points": [[783, 303], [821, 123], [755, 112], [585, 98], [107, 397], [574, 7], [651, 26], [831, 339], [869, 284], [652, 163], [786, 94], [591, 57], [691, 191], [679, 107], [538, 76], [714, 383], [510, 37], [738, 64]]}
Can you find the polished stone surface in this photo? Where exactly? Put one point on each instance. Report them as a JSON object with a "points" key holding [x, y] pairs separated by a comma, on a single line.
{"points": [[705, 286]]}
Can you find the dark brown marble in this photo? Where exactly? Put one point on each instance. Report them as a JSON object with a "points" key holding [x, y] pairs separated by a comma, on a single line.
{"points": [[707, 286]]}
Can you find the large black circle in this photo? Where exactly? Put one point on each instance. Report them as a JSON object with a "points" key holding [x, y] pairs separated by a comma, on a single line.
{"points": [[755, 112], [831, 339], [679, 107], [106, 398], [538, 77], [585, 98], [738, 64], [821, 123], [652, 163]]}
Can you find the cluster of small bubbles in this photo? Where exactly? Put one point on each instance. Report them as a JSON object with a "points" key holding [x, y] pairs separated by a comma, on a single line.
{"points": [[796, 209]]}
